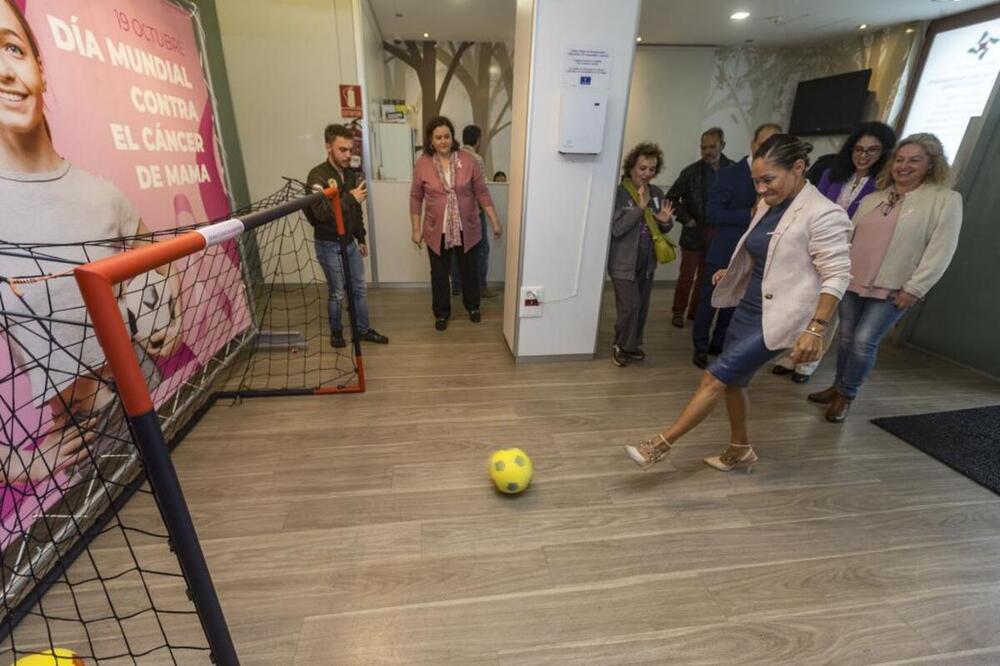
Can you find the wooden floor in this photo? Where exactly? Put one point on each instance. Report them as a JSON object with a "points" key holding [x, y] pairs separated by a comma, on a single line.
{"points": [[363, 529]]}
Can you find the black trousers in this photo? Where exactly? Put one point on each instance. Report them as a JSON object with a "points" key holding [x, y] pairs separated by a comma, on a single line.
{"points": [[705, 338], [440, 282]]}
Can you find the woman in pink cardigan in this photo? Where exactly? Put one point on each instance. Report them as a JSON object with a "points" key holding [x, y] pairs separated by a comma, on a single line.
{"points": [[449, 188]]}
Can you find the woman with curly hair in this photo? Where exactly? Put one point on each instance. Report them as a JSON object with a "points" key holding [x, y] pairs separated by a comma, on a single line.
{"points": [[631, 261], [849, 180], [905, 235]]}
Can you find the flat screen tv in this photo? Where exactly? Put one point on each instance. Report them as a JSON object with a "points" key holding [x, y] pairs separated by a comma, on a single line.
{"points": [[831, 105]]}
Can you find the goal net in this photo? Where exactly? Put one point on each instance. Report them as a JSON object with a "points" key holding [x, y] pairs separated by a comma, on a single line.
{"points": [[98, 555]]}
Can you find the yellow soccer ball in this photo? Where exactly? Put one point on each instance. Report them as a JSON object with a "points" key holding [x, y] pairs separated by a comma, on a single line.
{"points": [[510, 470], [55, 657]]}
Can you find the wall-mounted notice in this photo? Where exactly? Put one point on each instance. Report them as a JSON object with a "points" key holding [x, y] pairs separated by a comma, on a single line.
{"points": [[587, 67]]}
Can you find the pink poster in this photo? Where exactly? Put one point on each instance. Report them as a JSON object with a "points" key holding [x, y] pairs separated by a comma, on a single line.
{"points": [[106, 131]]}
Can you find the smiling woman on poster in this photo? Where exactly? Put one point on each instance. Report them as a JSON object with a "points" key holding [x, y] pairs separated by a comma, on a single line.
{"points": [[47, 200]]}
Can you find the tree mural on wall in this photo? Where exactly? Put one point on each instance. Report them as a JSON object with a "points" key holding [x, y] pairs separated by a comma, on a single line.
{"points": [[754, 85], [476, 71], [422, 58], [485, 70]]}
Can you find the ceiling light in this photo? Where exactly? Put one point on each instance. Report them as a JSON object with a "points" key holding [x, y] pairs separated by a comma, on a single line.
{"points": [[426, 35], [638, 39], [739, 16], [910, 31], [863, 26]]}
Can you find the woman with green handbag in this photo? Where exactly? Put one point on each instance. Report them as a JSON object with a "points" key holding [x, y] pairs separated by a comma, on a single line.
{"points": [[641, 218]]}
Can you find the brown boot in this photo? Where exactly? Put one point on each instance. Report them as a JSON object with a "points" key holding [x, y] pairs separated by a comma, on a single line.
{"points": [[824, 397], [838, 409]]}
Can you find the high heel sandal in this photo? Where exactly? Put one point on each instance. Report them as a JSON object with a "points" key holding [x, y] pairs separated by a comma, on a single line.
{"points": [[648, 453], [727, 464]]}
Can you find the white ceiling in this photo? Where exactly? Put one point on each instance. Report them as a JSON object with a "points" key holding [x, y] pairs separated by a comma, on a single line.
{"points": [[673, 21], [776, 22], [446, 20]]}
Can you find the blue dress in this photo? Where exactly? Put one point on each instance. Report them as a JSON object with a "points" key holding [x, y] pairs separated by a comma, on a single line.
{"points": [[744, 351]]}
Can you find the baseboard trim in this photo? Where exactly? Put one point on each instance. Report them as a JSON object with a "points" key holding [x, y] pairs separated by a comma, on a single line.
{"points": [[553, 358], [420, 285]]}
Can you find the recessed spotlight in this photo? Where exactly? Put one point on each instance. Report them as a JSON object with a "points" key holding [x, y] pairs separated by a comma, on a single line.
{"points": [[638, 39], [739, 16], [863, 26], [426, 35], [910, 31]]}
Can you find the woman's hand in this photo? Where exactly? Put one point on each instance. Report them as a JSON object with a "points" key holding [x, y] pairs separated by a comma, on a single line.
{"points": [[904, 300], [807, 348], [418, 238], [717, 276], [164, 343], [643, 196], [497, 230], [666, 211]]}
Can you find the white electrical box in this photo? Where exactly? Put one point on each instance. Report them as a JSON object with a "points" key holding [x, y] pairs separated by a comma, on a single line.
{"points": [[582, 113], [531, 301]]}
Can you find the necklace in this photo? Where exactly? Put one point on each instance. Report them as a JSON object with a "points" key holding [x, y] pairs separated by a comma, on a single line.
{"points": [[886, 206]]}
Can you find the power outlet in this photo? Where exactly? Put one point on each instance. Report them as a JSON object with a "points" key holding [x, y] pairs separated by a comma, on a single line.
{"points": [[531, 301]]}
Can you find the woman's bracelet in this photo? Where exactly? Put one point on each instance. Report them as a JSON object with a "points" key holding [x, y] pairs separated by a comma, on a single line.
{"points": [[821, 322], [818, 335]]}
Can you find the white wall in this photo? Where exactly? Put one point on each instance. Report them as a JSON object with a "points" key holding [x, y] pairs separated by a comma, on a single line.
{"points": [[667, 103], [400, 263], [524, 35], [567, 200], [667, 106], [375, 83], [285, 60]]}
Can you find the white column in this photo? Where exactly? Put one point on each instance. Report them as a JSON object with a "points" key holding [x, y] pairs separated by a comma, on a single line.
{"points": [[560, 204]]}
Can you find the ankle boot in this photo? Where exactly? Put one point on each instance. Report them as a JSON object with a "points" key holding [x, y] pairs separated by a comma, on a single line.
{"points": [[838, 409], [824, 397]]}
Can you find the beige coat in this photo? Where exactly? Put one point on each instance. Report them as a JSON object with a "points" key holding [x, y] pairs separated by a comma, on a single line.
{"points": [[924, 240], [809, 255]]}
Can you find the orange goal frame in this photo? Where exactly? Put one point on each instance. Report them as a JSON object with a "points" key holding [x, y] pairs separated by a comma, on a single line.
{"points": [[97, 281]]}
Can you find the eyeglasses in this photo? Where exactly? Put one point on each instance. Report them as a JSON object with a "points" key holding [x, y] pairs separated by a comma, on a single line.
{"points": [[870, 150]]}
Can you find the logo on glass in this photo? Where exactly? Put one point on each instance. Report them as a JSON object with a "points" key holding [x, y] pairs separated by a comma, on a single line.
{"points": [[983, 45]]}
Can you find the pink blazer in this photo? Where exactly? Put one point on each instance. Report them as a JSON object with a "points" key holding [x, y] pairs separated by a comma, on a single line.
{"points": [[809, 255], [427, 192]]}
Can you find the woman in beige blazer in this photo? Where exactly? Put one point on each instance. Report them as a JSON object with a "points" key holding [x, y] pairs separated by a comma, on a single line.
{"points": [[905, 235], [785, 279]]}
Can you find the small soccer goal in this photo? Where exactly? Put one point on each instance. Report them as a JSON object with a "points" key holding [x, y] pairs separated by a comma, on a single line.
{"points": [[110, 351]]}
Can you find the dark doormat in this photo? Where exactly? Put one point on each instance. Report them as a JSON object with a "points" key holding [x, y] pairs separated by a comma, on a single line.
{"points": [[967, 440]]}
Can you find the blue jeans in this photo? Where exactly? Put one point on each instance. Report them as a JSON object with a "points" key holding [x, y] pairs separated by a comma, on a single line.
{"points": [[482, 257], [863, 324], [328, 253]]}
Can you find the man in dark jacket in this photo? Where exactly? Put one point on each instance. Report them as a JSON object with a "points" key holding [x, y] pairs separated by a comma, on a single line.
{"points": [[731, 204], [690, 196], [335, 170]]}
